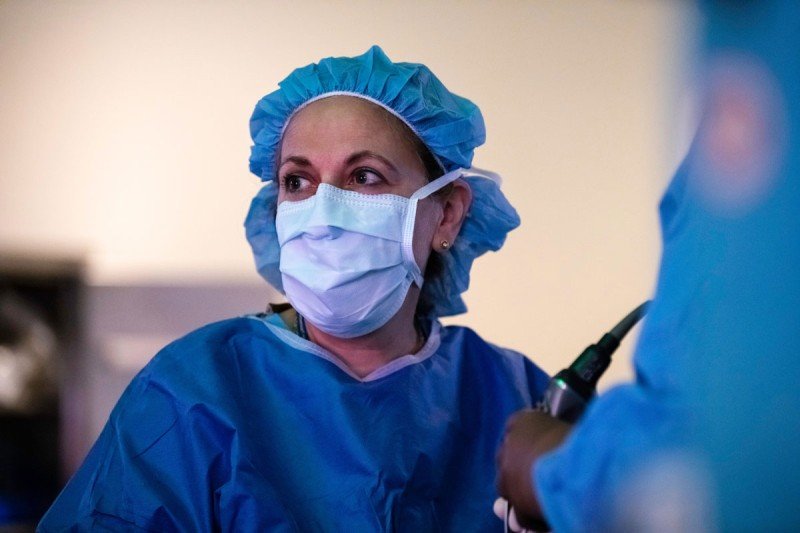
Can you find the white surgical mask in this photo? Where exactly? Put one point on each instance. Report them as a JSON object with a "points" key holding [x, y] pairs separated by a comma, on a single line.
{"points": [[347, 258]]}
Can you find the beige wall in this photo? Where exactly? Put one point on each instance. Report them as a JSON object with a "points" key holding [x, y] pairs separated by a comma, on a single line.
{"points": [[123, 135]]}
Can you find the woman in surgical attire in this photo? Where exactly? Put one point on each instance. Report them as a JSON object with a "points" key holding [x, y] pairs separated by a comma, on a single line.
{"points": [[350, 408]]}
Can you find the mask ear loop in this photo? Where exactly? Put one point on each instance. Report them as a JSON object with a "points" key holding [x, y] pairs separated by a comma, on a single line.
{"points": [[411, 216], [483, 173]]}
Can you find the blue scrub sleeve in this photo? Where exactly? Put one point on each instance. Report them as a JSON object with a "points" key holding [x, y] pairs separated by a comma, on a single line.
{"points": [[130, 480], [717, 368], [124, 460], [632, 423], [618, 435]]}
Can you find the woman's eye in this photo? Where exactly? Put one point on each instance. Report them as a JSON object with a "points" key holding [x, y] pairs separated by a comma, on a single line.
{"points": [[294, 183], [365, 176]]}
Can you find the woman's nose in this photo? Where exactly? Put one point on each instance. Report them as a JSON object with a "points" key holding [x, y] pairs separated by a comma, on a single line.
{"points": [[322, 232]]}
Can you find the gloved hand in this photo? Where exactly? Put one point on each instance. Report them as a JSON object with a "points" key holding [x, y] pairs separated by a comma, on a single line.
{"points": [[529, 435], [504, 512]]}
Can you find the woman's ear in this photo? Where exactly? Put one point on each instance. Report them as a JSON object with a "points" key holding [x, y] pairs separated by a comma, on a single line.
{"points": [[454, 210]]}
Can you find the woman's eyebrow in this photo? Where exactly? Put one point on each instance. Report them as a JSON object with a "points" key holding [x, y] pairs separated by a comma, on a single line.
{"points": [[364, 154], [297, 160]]}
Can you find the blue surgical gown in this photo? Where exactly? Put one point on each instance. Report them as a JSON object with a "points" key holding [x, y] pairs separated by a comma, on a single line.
{"points": [[243, 425], [716, 366]]}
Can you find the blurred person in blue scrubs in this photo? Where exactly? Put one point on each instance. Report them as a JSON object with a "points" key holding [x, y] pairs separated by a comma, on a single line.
{"points": [[707, 438], [350, 408]]}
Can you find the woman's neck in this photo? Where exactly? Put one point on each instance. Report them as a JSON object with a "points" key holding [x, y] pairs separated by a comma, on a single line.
{"points": [[363, 355]]}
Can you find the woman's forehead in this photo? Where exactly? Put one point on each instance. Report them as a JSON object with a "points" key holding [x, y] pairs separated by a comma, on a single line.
{"points": [[341, 120], [349, 110]]}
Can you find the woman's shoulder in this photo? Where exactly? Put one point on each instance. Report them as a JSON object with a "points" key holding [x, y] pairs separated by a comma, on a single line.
{"points": [[204, 361], [475, 350], [200, 368], [210, 341], [223, 331], [470, 340]]}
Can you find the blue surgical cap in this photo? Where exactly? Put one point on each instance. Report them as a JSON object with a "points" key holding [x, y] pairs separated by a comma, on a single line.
{"points": [[450, 126]]}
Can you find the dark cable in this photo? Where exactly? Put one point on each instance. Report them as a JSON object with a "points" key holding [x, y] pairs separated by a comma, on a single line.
{"points": [[571, 389], [620, 330]]}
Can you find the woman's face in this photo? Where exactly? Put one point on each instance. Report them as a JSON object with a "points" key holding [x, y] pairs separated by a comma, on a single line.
{"points": [[355, 145], [349, 143]]}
